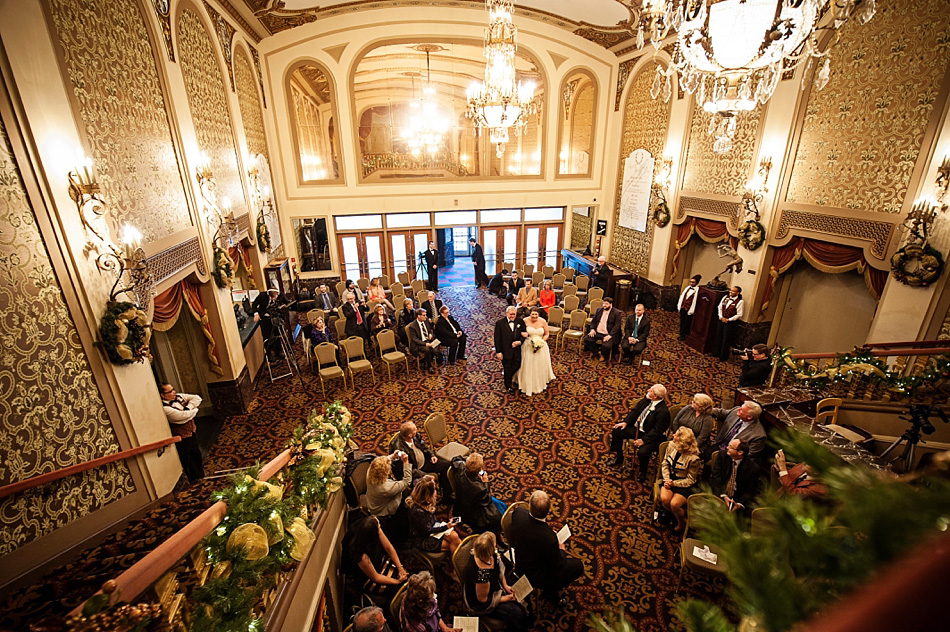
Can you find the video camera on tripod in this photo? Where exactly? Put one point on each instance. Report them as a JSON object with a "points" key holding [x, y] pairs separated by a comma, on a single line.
{"points": [[919, 418]]}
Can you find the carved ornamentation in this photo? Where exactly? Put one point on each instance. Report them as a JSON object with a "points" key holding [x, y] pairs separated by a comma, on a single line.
{"points": [[239, 19], [225, 33], [878, 233], [244, 224], [623, 72], [51, 411], [691, 205], [166, 263], [721, 174], [119, 100], [260, 77], [250, 107], [164, 18], [645, 122], [862, 134], [208, 101]]}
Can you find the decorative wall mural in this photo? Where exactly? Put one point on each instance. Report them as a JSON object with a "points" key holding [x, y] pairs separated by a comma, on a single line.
{"points": [[250, 105], [225, 34], [645, 121], [208, 100], [51, 411], [862, 133], [721, 174], [119, 97]]}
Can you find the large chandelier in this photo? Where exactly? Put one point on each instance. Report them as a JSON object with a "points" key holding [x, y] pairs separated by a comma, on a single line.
{"points": [[730, 54], [500, 102], [427, 125]]}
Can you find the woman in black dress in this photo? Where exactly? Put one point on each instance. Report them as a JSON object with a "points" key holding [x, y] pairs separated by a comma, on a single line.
{"points": [[423, 528], [486, 591], [371, 561], [406, 315]]}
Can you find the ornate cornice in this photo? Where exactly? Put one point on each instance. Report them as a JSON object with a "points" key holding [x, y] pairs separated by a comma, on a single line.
{"points": [[877, 233], [166, 263], [722, 209]]}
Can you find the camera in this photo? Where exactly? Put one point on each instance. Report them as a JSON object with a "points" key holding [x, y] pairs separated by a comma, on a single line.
{"points": [[741, 352]]}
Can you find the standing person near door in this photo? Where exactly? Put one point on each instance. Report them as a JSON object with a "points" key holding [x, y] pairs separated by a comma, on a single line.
{"points": [[478, 260], [432, 267], [181, 409]]}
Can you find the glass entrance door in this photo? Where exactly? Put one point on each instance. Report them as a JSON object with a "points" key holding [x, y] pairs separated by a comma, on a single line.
{"points": [[500, 245], [543, 245], [362, 255]]}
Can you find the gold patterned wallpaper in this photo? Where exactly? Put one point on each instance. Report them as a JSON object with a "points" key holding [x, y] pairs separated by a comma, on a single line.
{"points": [[645, 122], [208, 101], [862, 134], [722, 174], [51, 412], [580, 231], [119, 99], [248, 101]]}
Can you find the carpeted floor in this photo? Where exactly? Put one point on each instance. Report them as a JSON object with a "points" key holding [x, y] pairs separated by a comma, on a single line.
{"points": [[554, 441]]}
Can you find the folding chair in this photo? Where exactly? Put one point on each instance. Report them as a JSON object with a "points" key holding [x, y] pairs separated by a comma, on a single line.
{"points": [[388, 352], [356, 361], [437, 431], [328, 367]]}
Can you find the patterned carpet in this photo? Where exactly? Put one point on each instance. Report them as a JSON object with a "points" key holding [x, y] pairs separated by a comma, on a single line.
{"points": [[554, 441]]}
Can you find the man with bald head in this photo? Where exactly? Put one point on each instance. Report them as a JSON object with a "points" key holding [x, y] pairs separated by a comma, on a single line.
{"points": [[741, 422]]}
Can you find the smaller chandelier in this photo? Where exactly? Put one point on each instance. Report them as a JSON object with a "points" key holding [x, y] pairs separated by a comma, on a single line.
{"points": [[427, 126], [500, 102]]}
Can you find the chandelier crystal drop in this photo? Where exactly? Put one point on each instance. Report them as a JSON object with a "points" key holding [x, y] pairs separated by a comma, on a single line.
{"points": [[500, 102]]}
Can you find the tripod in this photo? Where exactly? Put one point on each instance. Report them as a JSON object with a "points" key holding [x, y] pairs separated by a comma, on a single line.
{"points": [[421, 271], [279, 336], [912, 437]]}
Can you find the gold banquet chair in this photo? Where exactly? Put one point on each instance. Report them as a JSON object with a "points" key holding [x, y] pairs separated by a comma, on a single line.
{"points": [[575, 330], [437, 431], [328, 368], [555, 316], [356, 361], [388, 352], [688, 559]]}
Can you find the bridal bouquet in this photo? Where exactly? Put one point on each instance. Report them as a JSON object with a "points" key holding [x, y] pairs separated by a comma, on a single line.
{"points": [[536, 342]]}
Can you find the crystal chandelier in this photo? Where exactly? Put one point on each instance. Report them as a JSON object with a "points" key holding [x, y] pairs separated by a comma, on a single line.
{"points": [[730, 54], [427, 125], [500, 102]]}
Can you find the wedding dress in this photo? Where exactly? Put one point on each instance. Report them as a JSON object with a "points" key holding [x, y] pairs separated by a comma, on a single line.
{"points": [[535, 372]]}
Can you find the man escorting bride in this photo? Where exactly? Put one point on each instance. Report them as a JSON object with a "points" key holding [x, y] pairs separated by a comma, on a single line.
{"points": [[535, 372]]}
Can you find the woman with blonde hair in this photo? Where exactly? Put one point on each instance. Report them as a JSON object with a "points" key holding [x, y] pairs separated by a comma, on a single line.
{"points": [[422, 525], [383, 494], [697, 416], [407, 315], [376, 292], [419, 611], [680, 469], [485, 589]]}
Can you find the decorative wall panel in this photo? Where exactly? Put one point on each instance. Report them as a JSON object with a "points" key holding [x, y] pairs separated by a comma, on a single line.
{"points": [[580, 231], [118, 94], [645, 122], [878, 233], [51, 412], [862, 134], [208, 100], [721, 174], [250, 105]]}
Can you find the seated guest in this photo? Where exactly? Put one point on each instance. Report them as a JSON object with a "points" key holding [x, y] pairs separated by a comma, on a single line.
{"points": [[371, 561], [527, 298], [419, 611], [380, 320], [498, 286], [635, 340], [355, 315], [797, 480], [383, 494], [474, 503], [605, 328], [680, 470], [376, 292], [320, 333], [431, 305], [407, 315], [485, 588], [421, 335], [370, 619], [645, 424], [538, 554], [756, 367], [736, 478], [450, 334], [422, 461], [686, 305], [515, 283], [546, 298], [697, 418], [741, 422], [422, 526], [328, 303], [351, 286]]}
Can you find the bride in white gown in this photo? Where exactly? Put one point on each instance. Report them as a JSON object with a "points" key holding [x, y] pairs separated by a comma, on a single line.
{"points": [[535, 372]]}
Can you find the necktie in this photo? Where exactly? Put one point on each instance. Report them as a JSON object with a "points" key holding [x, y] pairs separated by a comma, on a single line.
{"points": [[425, 332], [326, 302], [731, 434], [731, 484], [636, 326], [643, 417], [359, 318]]}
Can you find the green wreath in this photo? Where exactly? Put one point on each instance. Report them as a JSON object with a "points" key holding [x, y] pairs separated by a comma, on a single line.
{"points": [[223, 272], [751, 234], [661, 213], [927, 265], [263, 235], [125, 333]]}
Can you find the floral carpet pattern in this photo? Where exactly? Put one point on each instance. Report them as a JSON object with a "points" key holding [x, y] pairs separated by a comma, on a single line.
{"points": [[555, 440]]}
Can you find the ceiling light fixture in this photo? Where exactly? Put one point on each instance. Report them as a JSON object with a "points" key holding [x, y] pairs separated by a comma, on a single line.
{"points": [[427, 125]]}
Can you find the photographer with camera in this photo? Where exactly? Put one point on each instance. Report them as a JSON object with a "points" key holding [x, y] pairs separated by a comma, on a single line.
{"points": [[269, 308], [756, 365]]}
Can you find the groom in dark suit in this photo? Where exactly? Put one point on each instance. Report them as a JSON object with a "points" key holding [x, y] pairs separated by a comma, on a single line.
{"points": [[508, 341], [646, 424], [635, 340], [432, 267]]}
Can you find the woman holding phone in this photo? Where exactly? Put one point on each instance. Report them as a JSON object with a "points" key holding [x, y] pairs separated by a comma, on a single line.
{"points": [[423, 529]]}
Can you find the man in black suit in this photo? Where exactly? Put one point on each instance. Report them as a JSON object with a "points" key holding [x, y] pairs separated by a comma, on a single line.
{"points": [[422, 460], [741, 422], [600, 274], [478, 260], [327, 302], [605, 327], [421, 333], [432, 305], [432, 267], [450, 334], [515, 283], [635, 340], [646, 424], [538, 554], [737, 477], [355, 316], [508, 341], [266, 309]]}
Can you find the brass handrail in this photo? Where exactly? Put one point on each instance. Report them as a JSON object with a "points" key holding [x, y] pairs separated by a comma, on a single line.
{"points": [[78, 468], [876, 354]]}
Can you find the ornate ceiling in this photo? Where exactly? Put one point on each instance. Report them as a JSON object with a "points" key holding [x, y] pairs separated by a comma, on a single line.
{"points": [[604, 22]]}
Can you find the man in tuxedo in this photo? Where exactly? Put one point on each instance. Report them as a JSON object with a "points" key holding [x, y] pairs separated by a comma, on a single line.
{"points": [[741, 422], [478, 260], [605, 327], [450, 334], [421, 333], [686, 305], [328, 303], [432, 305], [646, 424], [736, 477], [355, 316], [432, 267], [635, 340], [515, 283], [538, 554], [508, 341], [600, 274]]}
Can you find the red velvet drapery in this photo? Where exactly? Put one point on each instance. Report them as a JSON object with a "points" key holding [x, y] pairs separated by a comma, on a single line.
{"points": [[709, 230], [824, 256], [241, 255], [168, 306]]}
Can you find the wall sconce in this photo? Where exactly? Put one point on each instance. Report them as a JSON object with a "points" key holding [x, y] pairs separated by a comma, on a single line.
{"points": [[660, 209], [756, 190], [664, 179], [85, 192], [220, 221], [265, 206]]}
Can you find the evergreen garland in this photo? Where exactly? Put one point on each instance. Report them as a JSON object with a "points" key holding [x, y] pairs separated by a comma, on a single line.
{"points": [[223, 271], [125, 333], [263, 235]]}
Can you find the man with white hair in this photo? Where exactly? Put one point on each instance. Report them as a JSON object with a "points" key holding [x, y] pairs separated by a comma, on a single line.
{"points": [[508, 341], [646, 424], [370, 619], [600, 274], [741, 422]]}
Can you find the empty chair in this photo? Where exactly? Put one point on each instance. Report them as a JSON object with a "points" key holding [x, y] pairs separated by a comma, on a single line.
{"points": [[340, 325], [687, 559], [568, 290], [575, 330], [328, 368], [555, 322], [557, 281], [397, 301], [548, 272], [568, 274], [595, 293], [363, 284], [403, 278], [826, 412], [384, 280], [422, 296], [388, 352], [537, 278], [510, 266], [340, 289], [397, 288], [528, 270], [356, 361], [437, 431], [582, 282], [570, 303], [417, 285]]}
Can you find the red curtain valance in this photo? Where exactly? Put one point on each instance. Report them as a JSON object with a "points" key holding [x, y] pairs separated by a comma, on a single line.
{"points": [[824, 256], [241, 256], [709, 230], [168, 306]]}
